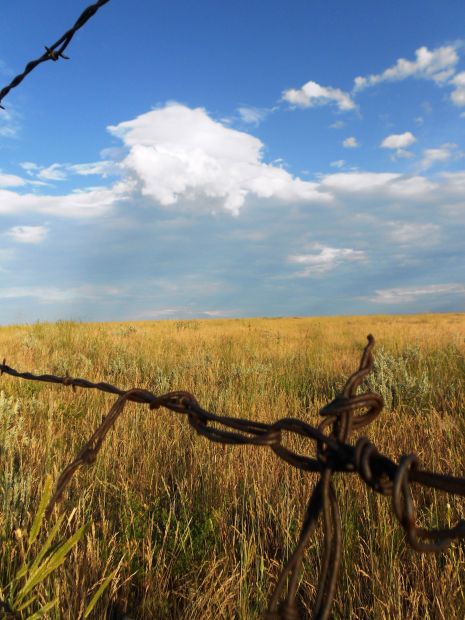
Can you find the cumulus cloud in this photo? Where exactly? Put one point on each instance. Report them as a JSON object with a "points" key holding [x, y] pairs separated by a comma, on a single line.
{"points": [[178, 153], [458, 94], [350, 143], [312, 94], [410, 294], [28, 234], [398, 140], [437, 65], [398, 143], [324, 260]]}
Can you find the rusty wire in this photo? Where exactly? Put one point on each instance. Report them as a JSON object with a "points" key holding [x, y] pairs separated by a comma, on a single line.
{"points": [[55, 51], [333, 454]]}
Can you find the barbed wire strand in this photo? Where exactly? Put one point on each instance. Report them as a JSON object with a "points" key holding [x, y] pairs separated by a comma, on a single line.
{"points": [[333, 454], [55, 51]]}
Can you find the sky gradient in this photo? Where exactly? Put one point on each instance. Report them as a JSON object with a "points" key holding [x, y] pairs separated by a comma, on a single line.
{"points": [[223, 160]]}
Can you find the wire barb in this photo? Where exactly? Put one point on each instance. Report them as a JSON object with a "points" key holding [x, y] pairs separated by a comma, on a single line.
{"points": [[55, 51], [333, 454]]}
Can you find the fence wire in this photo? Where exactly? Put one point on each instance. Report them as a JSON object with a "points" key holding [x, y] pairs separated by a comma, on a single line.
{"points": [[333, 454], [55, 51]]}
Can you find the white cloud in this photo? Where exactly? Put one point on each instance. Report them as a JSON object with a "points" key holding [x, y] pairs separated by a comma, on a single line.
{"points": [[339, 163], [29, 166], [398, 140], [178, 153], [55, 172], [312, 94], [28, 234], [442, 154], [60, 172], [380, 184], [337, 125], [9, 126], [52, 294], [252, 115], [350, 143], [354, 182], [413, 233], [410, 294], [92, 202], [11, 180], [326, 259], [437, 65], [403, 154], [458, 94]]}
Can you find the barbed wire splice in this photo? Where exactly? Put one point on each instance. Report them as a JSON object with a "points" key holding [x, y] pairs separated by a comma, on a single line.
{"points": [[55, 51], [333, 455]]}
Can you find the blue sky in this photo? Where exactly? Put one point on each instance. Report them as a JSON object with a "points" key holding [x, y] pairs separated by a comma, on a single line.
{"points": [[219, 160]]}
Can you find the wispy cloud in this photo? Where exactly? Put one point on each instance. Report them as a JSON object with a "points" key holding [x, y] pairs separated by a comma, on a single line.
{"points": [[52, 294], [437, 65], [11, 180], [404, 295], [414, 233], [252, 115], [441, 154], [325, 259], [28, 234], [89, 203], [61, 172], [183, 312]]}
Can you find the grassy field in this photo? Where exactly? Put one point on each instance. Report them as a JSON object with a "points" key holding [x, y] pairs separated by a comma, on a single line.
{"points": [[198, 530]]}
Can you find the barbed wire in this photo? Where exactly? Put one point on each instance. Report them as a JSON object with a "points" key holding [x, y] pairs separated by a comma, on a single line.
{"points": [[55, 51], [333, 454]]}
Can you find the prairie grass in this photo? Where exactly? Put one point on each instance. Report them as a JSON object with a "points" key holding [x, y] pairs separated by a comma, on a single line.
{"points": [[198, 530]]}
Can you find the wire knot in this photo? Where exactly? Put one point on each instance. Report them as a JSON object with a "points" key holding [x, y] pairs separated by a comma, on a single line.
{"points": [[54, 55], [364, 450]]}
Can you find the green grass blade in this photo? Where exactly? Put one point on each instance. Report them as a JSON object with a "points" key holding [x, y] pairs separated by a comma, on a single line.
{"points": [[47, 607], [51, 564], [26, 604], [47, 544], [46, 494], [99, 593]]}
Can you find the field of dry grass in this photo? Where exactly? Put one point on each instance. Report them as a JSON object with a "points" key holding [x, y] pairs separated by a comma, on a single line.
{"points": [[198, 530]]}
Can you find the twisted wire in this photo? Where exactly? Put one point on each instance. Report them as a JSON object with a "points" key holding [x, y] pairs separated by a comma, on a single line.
{"points": [[333, 454], [55, 51]]}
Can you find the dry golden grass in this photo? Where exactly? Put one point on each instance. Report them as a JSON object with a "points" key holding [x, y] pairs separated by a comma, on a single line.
{"points": [[200, 530]]}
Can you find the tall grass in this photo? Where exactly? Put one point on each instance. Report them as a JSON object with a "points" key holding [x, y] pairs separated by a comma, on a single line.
{"points": [[199, 530]]}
